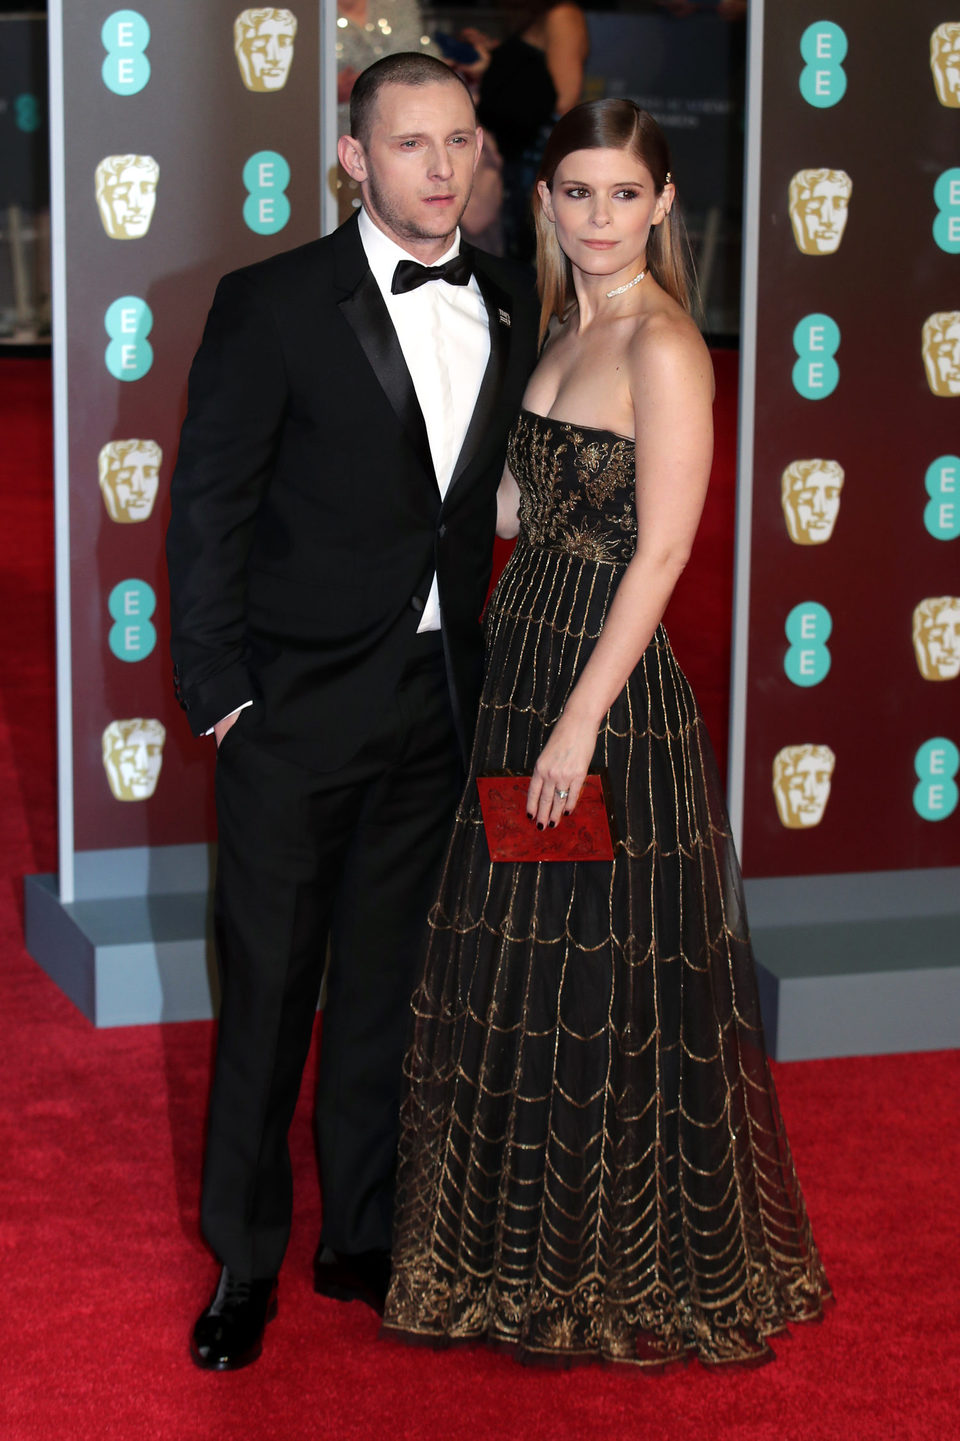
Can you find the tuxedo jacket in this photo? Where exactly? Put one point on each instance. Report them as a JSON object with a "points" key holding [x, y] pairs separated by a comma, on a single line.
{"points": [[307, 523]]}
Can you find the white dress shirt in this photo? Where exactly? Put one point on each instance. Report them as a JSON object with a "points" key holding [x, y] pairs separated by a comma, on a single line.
{"points": [[444, 334]]}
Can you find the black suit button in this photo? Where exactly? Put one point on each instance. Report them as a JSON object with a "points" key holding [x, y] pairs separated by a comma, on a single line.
{"points": [[442, 531], [416, 604]]}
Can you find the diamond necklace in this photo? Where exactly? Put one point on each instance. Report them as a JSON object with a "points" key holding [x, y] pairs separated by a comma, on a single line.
{"points": [[629, 285]]}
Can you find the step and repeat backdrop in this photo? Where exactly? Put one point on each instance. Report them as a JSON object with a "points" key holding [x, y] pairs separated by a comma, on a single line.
{"points": [[847, 655], [189, 146], [187, 141]]}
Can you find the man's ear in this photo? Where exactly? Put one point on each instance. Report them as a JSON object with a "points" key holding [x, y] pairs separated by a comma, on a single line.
{"points": [[352, 157]]}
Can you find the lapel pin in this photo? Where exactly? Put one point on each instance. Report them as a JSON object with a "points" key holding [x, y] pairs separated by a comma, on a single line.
{"points": [[504, 317]]}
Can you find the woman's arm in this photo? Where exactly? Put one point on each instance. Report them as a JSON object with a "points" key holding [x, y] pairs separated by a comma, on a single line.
{"points": [[566, 45], [671, 382], [508, 506]]}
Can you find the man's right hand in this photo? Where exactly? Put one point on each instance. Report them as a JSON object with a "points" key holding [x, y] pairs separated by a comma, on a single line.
{"points": [[221, 727]]}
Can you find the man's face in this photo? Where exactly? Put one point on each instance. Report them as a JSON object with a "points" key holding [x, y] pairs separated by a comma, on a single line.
{"points": [[814, 499], [416, 169], [133, 760], [823, 216], [131, 484], [266, 53], [939, 638]]}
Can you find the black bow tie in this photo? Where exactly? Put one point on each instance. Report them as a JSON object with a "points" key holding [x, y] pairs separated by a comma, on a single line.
{"points": [[410, 273]]}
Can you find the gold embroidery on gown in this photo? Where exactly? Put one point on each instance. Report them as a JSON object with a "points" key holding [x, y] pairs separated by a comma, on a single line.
{"points": [[592, 1158]]}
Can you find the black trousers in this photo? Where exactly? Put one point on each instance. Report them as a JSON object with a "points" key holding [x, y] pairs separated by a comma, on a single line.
{"points": [[351, 857]]}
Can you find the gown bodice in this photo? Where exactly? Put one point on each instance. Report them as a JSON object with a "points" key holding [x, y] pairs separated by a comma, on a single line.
{"points": [[577, 488]]}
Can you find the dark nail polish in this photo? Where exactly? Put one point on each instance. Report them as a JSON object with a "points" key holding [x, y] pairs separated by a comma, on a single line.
{"points": [[552, 824], [529, 816], [566, 813], [539, 825]]}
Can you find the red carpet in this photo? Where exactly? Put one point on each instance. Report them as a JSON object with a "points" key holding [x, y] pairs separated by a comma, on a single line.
{"points": [[102, 1267]]}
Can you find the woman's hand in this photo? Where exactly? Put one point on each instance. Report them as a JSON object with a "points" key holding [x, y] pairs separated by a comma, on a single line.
{"points": [[560, 770]]}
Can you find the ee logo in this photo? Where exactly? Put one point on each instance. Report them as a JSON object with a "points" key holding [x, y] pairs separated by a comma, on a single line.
{"points": [[808, 628], [935, 794], [816, 340], [131, 604], [125, 37], [26, 113], [946, 197], [266, 176], [941, 514], [128, 322], [823, 81]]}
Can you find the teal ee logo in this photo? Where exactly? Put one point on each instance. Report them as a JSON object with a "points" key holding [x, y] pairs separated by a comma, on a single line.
{"points": [[131, 604], [266, 176], [128, 322], [946, 197], [808, 628], [823, 81], [125, 37], [26, 113], [936, 764], [941, 514], [816, 340]]}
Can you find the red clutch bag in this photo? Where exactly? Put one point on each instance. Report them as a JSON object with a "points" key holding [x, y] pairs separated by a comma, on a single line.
{"points": [[512, 836]]}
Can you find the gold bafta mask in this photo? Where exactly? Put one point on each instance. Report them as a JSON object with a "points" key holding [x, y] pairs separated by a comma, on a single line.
{"points": [[810, 499], [132, 757], [801, 784], [936, 637], [819, 200], [941, 351], [126, 194], [263, 43], [945, 63], [129, 478]]}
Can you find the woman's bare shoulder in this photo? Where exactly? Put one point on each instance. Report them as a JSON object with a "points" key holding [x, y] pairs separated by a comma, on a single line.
{"points": [[666, 346]]}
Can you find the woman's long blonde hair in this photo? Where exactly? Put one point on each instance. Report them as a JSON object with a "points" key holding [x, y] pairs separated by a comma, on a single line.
{"points": [[610, 125]]}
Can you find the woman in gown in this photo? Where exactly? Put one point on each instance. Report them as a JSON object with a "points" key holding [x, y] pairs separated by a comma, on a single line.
{"points": [[592, 1158]]}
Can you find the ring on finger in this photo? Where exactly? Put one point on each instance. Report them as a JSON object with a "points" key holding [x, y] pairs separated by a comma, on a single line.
{"points": [[561, 795]]}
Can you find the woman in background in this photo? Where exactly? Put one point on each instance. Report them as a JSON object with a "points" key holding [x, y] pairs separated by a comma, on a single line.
{"points": [[527, 80], [592, 1159]]}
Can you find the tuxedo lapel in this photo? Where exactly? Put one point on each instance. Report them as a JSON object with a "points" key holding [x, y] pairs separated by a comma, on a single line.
{"points": [[368, 317], [499, 307]]}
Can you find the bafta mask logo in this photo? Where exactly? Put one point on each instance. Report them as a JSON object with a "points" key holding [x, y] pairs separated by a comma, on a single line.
{"points": [[945, 63], [819, 200], [941, 352], [263, 43], [810, 498], [801, 784], [127, 194], [132, 757], [936, 637], [129, 478]]}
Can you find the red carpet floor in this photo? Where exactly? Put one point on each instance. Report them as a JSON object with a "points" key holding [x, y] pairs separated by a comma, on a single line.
{"points": [[102, 1268]]}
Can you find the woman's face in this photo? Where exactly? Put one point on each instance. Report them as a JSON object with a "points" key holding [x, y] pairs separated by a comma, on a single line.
{"points": [[603, 204]]}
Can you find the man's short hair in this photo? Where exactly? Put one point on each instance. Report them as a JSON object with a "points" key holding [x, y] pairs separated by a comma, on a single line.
{"points": [[406, 68]]}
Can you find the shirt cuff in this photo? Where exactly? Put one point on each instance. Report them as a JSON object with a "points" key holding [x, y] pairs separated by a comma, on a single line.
{"points": [[227, 717]]}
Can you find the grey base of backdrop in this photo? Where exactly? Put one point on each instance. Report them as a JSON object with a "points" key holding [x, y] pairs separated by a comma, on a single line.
{"points": [[136, 945], [848, 965], [858, 965]]}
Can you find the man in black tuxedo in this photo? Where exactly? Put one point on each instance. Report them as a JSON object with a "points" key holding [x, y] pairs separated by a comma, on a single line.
{"points": [[333, 511]]}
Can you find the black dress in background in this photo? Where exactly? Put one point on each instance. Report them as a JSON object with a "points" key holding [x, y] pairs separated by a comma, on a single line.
{"points": [[592, 1158]]}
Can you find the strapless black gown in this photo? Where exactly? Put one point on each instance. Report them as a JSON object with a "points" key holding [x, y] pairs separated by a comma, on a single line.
{"points": [[592, 1158]]}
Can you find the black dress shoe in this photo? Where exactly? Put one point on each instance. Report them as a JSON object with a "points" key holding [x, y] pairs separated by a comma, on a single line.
{"points": [[364, 1276], [229, 1333]]}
